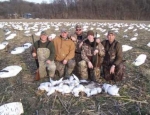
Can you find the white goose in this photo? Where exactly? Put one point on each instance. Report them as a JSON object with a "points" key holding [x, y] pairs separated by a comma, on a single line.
{"points": [[148, 44], [3, 45], [11, 36], [105, 87], [126, 48], [140, 60], [113, 90], [56, 82], [18, 50], [10, 71], [27, 45], [14, 108], [133, 39]]}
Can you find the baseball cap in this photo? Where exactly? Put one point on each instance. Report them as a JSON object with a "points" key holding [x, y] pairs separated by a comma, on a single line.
{"points": [[63, 30], [111, 32], [43, 33], [78, 26]]}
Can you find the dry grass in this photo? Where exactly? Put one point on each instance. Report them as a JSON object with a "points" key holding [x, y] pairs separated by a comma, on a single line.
{"points": [[134, 89]]}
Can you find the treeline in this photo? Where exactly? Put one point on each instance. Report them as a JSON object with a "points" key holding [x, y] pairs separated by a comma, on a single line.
{"points": [[80, 9]]}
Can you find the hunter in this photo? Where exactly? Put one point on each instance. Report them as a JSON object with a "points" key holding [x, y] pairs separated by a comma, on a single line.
{"points": [[79, 37], [92, 57], [65, 52], [44, 52], [113, 68]]}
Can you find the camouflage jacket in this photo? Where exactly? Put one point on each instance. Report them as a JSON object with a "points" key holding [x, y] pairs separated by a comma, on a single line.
{"points": [[113, 53], [88, 50], [80, 38]]}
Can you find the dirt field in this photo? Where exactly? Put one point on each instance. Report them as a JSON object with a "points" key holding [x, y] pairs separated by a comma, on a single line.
{"points": [[134, 89]]}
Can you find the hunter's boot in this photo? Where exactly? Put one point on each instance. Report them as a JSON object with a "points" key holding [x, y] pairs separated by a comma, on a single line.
{"points": [[37, 76]]}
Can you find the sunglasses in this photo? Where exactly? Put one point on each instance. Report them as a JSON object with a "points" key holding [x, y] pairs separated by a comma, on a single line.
{"points": [[78, 29]]}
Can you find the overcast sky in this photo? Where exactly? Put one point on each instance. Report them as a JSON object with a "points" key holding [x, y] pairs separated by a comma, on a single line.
{"points": [[35, 1]]}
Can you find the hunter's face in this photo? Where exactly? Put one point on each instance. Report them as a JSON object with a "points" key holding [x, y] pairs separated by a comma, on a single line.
{"points": [[90, 38], [43, 38], [64, 34], [111, 38], [78, 31]]}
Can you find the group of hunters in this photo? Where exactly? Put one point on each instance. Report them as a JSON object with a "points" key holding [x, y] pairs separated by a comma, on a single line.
{"points": [[80, 53]]}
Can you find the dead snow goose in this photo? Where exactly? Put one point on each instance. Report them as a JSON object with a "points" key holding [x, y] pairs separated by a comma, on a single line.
{"points": [[105, 87], [113, 90]]}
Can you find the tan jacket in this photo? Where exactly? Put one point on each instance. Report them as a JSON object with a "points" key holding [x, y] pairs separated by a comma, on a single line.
{"points": [[64, 49]]}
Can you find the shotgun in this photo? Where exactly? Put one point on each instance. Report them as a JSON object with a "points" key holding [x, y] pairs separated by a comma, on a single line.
{"points": [[94, 61], [34, 51]]}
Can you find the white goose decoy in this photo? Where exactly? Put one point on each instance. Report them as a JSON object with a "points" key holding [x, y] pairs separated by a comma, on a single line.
{"points": [[7, 33], [126, 48], [140, 60], [10, 71], [38, 33], [148, 44], [52, 36], [133, 39], [2, 46], [113, 90], [14, 108], [11, 36], [105, 87], [18, 50], [27, 45]]}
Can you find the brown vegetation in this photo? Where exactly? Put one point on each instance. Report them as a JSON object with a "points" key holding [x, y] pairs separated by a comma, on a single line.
{"points": [[79, 9]]}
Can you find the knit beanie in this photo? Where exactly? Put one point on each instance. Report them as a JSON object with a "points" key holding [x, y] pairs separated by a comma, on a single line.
{"points": [[90, 32]]}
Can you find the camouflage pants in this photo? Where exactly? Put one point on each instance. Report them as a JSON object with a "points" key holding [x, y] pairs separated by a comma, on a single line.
{"points": [[77, 59], [60, 67], [117, 76], [44, 68], [84, 71]]}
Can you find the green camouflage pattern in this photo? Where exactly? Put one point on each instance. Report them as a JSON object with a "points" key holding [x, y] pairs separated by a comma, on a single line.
{"points": [[83, 71], [60, 67]]}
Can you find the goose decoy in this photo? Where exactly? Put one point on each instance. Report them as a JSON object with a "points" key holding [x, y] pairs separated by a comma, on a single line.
{"points": [[18, 50], [126, 48], [14, 108], [10, 71], [140, 60]]}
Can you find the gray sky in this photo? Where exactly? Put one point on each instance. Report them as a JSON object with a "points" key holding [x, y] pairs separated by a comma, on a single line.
{"points": [[35, 1]]}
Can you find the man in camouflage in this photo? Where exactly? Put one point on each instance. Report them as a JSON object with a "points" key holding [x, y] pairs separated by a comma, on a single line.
{"points": [[65, 52], [80, 37], [45, 53], [113, 68], [88, 53]]}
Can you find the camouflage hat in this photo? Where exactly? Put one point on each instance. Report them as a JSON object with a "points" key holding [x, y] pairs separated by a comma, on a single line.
{"points": [[111, 32], [63, 30], [43, 33], [78, 26], [90, 32]]}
